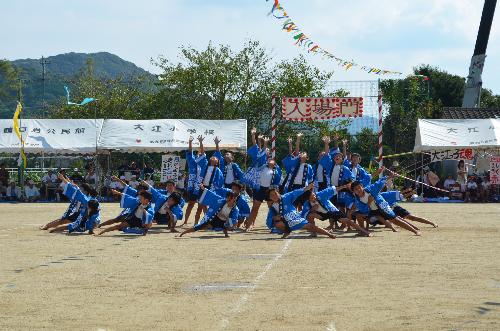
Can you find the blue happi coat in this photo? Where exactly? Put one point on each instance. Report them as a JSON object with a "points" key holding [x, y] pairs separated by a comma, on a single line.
{"points": [[241, 203], [215, 204], [133, 203], [238, 174], [392, 197], [323, 198], [194, 170], [374, 190], [345, 176], [159, 199], [362, 175], [74, 207], [83, 222], [292, 166], [259, 159], [287, 210], [217, 178]]}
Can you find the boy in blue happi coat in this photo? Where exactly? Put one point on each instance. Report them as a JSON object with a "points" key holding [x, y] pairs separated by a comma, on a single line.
{"points": [[285, 216], [231, 171], [141, 216], [369, 202], [299, 172], [89, 214], [221, 213], [167, 205], [318, 206], [241, 203], [74, 208], [258, 153]]}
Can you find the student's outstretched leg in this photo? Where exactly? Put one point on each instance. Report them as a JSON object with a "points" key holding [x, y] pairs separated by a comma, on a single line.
{"points": [[109, 222], [401, 223], [313, 228], [189, 208], [420, 220], [281, 226], [119, 226], [354, 225], [193, 229], [387, 223], [201, 208], [54, 224], [59, 228]]}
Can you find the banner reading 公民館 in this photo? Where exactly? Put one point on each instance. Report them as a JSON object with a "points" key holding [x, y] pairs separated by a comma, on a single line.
{"points": [[312, 109]]}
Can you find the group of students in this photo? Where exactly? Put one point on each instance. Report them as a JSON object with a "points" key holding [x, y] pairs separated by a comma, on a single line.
{"points": [[336, 189]]}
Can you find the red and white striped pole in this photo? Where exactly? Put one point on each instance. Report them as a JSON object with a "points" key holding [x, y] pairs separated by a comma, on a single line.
{"points": [[380, 148], [273, 127]]}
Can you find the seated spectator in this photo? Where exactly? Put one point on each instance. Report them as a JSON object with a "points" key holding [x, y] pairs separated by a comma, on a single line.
{"points": [[133, 183], [76, 176], [115, 185], [13, 192], [134, 170], [472, 192], [60, 188], [449, 182], [90, 177], [147, 169], [49, 185], [486, 185], [456, 191], [4, 179], [31, 192], [122, 169]]}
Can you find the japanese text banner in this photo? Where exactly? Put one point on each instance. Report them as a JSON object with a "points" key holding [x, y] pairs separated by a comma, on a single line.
{"points": [[313, 109]]}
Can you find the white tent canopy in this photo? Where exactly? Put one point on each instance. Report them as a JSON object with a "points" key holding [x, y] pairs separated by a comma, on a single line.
{"points": [[84, 136], [465, 133]]}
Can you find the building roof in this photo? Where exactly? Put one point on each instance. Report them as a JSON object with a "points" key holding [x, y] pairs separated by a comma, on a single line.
{"points": [[469, 113]]}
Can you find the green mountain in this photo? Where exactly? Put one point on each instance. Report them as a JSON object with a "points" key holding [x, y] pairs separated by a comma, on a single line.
{"points": [[60, 70]]}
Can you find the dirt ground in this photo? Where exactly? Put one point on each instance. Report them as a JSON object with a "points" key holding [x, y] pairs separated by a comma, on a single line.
{"points": [[448, 279]]}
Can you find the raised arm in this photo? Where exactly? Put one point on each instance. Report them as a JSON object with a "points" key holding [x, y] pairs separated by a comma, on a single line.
{"points": [[217, 141], [118, 180], [344, 147], [297, 143], [290, 147], [190, 143], [202, 149], [253, 134], [336, 141], [326, 142], [266, 142]]}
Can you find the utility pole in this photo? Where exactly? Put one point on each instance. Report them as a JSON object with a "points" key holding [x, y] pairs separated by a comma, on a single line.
{"points": [[44, 62], [472, 96]]}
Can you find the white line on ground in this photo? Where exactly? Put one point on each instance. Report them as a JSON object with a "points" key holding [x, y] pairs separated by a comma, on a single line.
{"points": [[331, 326], [244, 298]]}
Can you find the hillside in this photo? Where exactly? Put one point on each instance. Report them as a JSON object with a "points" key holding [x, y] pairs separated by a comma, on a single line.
{"points": [[59, 71]]}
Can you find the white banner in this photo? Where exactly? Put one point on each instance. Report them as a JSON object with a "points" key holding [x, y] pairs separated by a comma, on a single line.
{"points": [[170, 167], [495, 170], [448, 134], [59, 136], [452, 154], [310, 109]]}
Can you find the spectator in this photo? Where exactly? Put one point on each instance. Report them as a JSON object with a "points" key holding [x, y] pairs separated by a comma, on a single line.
{"points": [[76, 176], [4, 179], [449, 182], [122, 169], [462, 175], [133, 183], [134, 170], [471, 193], [31, 192], [115, 185], [13, 192], [430, 178], [49, 185], [147, 169], [90, 177], [60, 188], [485, 191]]}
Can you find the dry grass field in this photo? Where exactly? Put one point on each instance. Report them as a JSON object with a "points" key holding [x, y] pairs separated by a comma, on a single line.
{"points": [[448, 279]]}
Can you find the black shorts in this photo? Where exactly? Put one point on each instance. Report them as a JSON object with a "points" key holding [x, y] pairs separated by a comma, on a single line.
{"points": [[380, 212], [400, 211], [161, 218], [73, 217], [335, 215], [193, 196], [134, 222], [229, 186], [216, 223], [262, 194], [322, 186], [336, 202]]}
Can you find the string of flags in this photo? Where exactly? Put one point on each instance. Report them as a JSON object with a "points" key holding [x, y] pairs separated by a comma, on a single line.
{"points": [[84, 102], [304, 41]]}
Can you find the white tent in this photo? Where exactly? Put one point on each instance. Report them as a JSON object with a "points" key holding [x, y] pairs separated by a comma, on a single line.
{"points": [[465, 133], [59, 136], [84, 136]]}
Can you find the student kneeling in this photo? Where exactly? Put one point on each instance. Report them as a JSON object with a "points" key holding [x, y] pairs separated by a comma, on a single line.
{"points": [[222, 213]]}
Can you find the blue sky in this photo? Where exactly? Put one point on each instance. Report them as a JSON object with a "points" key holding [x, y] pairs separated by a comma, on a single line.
{"points": [[390, 34]]}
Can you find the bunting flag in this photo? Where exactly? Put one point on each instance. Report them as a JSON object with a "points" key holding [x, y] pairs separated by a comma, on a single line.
{"points": [[17, 115], [84, 102], [304, 41]]}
